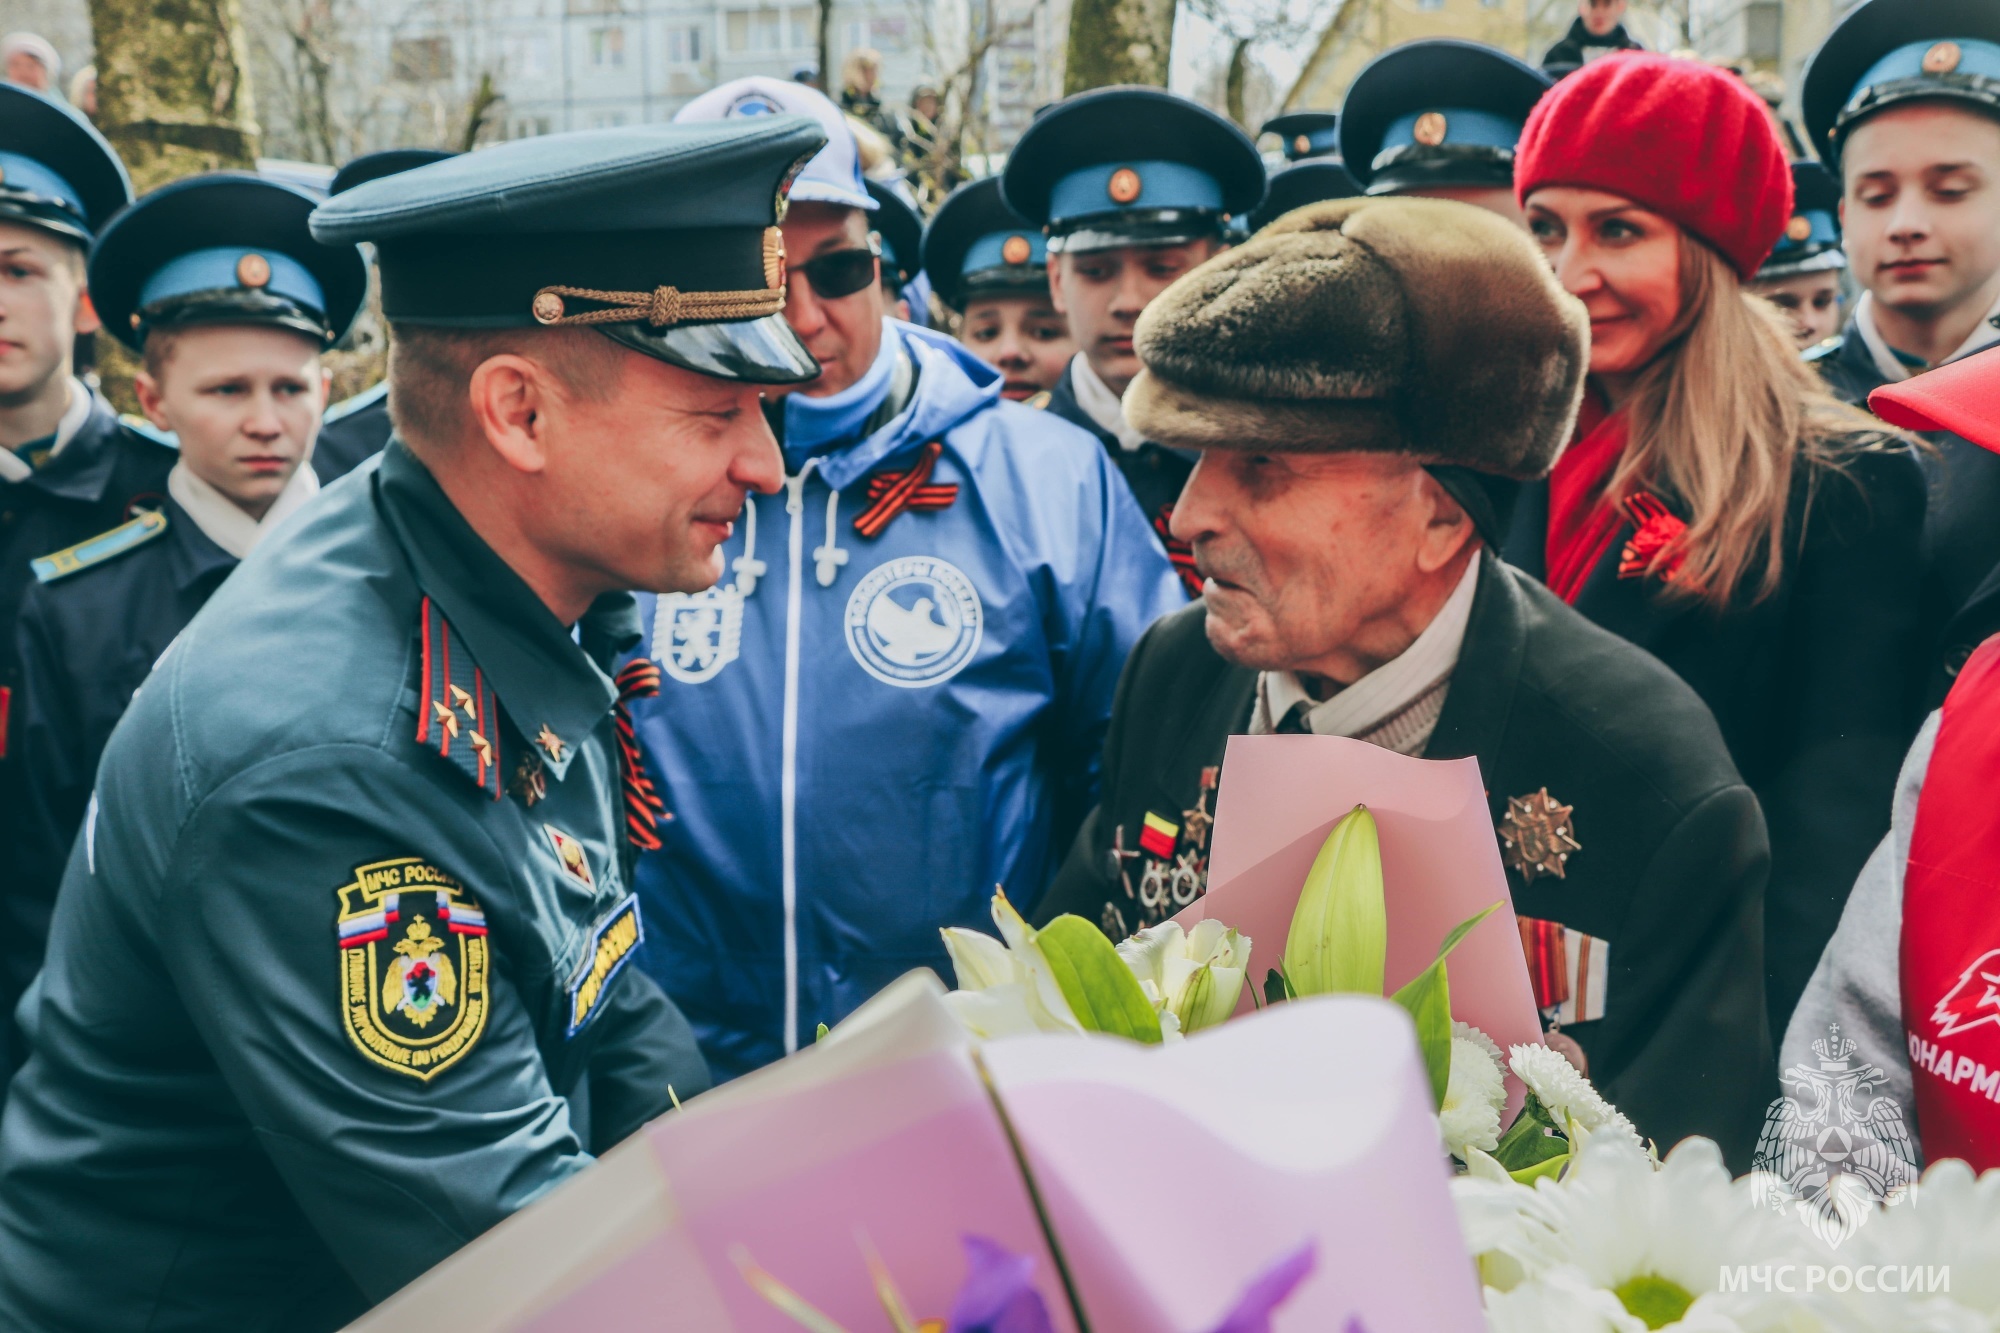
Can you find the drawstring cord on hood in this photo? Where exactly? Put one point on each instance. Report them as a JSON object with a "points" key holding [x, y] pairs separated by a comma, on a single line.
{"points": [[828, 558], [747, 566]]}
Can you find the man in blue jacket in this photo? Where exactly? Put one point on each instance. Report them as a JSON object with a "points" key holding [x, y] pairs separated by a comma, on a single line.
{"points": [[895, 698]]}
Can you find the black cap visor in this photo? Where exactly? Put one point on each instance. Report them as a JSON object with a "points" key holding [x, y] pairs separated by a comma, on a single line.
{"points": [[756, 351], [1830, 258], [1979, 90], [1136, 227], [233, 306], [1441, 166], [33, 210]]}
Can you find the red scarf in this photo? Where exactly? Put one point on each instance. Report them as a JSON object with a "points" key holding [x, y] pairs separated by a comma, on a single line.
{"points": [[1582, 524], [1951, 926]]}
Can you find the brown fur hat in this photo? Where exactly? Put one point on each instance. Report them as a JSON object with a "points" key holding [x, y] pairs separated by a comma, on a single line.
{"points": [[1415, 326]]}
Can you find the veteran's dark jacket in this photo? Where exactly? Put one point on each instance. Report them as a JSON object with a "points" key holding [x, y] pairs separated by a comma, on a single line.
{"points": [[102, 476], [335, 976], [1813, 686], [87, 640], [1961, 597], [1672, 861], [1154, 472]]}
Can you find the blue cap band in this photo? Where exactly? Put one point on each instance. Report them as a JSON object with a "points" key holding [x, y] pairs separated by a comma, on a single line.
{"points": [[1907, 62], [1160, 185], [990, 251], [1825, 231], [1462, 125], [216, 270], [27, 176]]}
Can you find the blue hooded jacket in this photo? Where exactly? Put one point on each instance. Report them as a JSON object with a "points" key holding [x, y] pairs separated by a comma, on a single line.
{"points": [[859, 737]]}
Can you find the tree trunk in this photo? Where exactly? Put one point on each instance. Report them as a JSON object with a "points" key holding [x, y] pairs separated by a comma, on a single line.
{"points": [[1233, 81], [1118, 41], [826, 80], [173, 86]]}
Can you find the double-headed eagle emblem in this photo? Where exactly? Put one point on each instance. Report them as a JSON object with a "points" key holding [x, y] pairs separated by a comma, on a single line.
{"points": [[421, 980]]}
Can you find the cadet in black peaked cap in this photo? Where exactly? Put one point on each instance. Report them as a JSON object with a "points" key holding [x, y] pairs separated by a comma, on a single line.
{"points": [[987, 263], [1440, 118], [1312, 181], [902, 235], [1802, 276], [217, 283], [1306, 134], [1135, 186], [337, 977]]}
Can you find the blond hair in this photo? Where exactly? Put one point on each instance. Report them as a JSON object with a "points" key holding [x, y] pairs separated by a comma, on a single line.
{"points": [[1724, 419]]}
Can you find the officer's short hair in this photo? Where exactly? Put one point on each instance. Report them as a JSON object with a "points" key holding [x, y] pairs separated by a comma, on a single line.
{"points": [[430, 367]]}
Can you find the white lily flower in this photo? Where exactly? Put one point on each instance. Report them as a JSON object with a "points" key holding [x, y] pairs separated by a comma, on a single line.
{"points": [[1658, 1240], [1567, 1094], [1475, 1094], [1005, 988], [1196, 976]]}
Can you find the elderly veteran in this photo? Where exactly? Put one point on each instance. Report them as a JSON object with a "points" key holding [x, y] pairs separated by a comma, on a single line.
{"points": [[1367, 381]]}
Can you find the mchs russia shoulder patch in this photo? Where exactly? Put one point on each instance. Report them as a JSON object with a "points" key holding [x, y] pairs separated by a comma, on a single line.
{"points": [[413, 966]]}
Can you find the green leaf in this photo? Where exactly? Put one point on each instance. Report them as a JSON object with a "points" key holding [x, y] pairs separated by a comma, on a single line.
{"points": [[1428, 998], [1550, 1169], [819, 1034], [1100, 988], [1340, 928], [1276, 989], [1527, 1143]]}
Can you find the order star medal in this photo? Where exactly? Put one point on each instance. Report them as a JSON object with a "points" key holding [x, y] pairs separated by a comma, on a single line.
{"points": [[1536, 836]]}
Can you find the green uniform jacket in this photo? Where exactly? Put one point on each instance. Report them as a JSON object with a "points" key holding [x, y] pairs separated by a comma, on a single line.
{"points": [[325, 998], [1673, 854]]}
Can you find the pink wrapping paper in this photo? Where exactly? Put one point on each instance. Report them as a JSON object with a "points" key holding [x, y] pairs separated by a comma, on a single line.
{"points": [[1173, 1174], [1281, 795]]}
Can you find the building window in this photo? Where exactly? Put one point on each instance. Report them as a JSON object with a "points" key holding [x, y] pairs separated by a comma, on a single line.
{"points": [[420, 59], [607, 46], [607, 120], [526, 56], [1764, 30], [801, 22], [1430, 4], [684, 46], [889, 34], [756, 30]]}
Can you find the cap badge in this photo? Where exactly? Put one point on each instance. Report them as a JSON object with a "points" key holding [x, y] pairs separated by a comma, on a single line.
{"points": [[1536, 836], [548, 307], [1430, 128], [253, 271], [1942, 58], [1016, 250], [774, 258], [1124, 186], [1301, 145], [1799, 229]]}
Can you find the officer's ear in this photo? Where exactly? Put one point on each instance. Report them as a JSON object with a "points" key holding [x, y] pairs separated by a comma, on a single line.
{"points": [[1055, 285], [86, 315], [510, 396]]}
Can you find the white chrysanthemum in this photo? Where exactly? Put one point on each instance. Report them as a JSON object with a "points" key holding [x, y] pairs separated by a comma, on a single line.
{"points": [[1657, 1239], [1475, 1093], [1948, 1227], [1566, 1093], [1561, 1303], [1490, 1204]]}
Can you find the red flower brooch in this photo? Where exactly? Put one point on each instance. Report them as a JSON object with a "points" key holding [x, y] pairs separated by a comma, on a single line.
{"points": [[1655, 528]]}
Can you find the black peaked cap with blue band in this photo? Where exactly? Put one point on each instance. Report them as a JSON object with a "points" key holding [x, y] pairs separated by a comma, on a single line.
{"points": [[977, 246], [1306, 134], [1437, 113], [1888, 52], [1811, 239], [227, 247], [662, 237], [388, 162], [1131, 166], [902, 233], [56, 171], [1310, 182]]}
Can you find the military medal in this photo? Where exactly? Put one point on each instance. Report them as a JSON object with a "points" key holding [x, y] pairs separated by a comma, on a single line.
{"points": [[1536, 836], [1196, 823], [551, 742], [529, 783]]}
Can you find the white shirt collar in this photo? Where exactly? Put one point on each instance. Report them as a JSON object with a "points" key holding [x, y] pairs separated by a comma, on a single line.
{"points": [[1386, 690], [226, 525], [1891, 366], [1101, 405], [13, 467]]}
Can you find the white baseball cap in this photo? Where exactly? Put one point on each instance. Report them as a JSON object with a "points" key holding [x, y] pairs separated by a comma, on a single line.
{"points": [[834, 174]]}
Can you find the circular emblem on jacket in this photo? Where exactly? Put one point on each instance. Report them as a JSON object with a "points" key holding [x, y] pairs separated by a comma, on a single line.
{"points": [[914, 621], [695, 635]]}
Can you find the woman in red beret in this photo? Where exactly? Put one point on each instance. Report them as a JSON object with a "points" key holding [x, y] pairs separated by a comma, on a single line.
{"points": [[1717, 505]]}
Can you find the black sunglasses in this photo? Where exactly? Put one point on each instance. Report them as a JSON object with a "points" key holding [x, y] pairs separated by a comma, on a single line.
{"points": [[839, 273]]}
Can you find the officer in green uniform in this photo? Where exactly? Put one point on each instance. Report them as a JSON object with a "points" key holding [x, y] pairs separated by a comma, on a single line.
{"points": [[338, 977]]}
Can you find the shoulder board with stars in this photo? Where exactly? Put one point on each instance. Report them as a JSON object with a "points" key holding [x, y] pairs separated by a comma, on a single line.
{"points": [[96, 550], [457, 713]]}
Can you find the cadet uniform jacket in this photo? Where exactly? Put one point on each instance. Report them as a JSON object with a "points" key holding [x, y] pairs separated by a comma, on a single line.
{"points": [[336, 976], [1154, 472], [1672, 859], [1813, 686], [87, 640], [351, 433], [95, 482]]}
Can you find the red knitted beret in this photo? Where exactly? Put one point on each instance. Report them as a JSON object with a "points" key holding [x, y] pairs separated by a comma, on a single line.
{"points": [[1684, 139]]}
